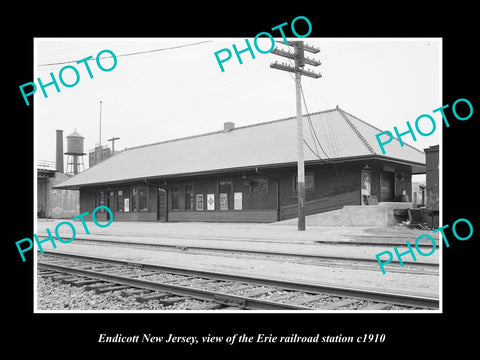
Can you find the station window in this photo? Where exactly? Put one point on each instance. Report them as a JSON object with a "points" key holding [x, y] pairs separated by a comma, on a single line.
{"points": [[101, 201], [225, 189], [139, 199], [258, 185], [111, 200], [120, 200], [134, 199], [174, 195], [189, 197], [142, 199], [200, 202], [309, 182]]}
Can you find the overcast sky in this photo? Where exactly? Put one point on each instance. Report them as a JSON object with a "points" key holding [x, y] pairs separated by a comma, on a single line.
{"points": [[168, 94]]}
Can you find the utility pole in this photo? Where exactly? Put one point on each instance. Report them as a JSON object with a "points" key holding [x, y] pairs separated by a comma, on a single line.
{"points": [[100, 127], [113, 144], [300, 61], [100, 132]]}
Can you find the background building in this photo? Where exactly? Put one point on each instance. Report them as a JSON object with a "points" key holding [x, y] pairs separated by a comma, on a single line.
{"points": [[58, 203], [55, 203], [98, 154]]}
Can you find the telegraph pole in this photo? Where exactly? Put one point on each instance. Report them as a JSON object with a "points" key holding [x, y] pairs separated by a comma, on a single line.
{"points": [[300, 61]]}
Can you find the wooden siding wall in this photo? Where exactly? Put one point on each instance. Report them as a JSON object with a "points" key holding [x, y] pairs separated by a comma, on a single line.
{"points": [[89, 201], [329, 180], [432, 178], [403, 185], [209, 185], [376, 169], [334, 187], [328, 203], [259, 216]]}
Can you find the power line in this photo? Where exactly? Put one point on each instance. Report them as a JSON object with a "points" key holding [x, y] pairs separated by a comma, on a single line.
{"points": [[134, 53], [311, 124], [313, 128], [310, 121], [313, 152]]}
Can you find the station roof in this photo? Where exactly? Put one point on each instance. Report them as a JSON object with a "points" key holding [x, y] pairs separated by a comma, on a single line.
{"points": [[341, 137]]}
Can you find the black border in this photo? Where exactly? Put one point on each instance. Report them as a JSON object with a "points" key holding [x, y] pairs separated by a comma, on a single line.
{"points": [[408, 334]]}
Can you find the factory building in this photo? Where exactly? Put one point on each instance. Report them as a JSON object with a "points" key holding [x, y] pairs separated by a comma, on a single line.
{"points": [[54, 203], [99, 154], [57, 203], [249, 174]]}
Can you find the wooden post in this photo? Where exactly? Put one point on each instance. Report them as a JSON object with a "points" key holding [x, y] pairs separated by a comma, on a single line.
{"points": [[300, 156], [300, 61]]}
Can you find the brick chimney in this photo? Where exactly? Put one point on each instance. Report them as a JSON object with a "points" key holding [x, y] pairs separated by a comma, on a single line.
{"points": [[59, 152], [228, 126]]}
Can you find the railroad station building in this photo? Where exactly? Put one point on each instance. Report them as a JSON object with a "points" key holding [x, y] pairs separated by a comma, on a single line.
{"points": [[249, 173]]}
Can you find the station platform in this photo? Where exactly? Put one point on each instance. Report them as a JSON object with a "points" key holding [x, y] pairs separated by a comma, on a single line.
{"points": [[276, 232]]}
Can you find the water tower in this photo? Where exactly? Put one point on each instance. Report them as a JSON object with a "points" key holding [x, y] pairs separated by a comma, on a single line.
{"points": [[75, 152]]}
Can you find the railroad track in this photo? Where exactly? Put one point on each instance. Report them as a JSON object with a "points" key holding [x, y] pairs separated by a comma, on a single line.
{"points": [[226, 290], [313, 259]]}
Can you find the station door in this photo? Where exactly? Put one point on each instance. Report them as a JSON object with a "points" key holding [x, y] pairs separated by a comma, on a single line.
{"points": [[110, 202], [161, 205], [387, 186]]}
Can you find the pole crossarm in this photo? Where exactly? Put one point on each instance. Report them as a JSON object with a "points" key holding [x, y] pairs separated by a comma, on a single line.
{"points": [[283, 53], [306, 47], [312, 62], [286, 67]]}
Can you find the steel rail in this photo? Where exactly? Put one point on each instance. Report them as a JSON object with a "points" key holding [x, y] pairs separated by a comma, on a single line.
{"points": [[199, 294], [259, 252], [401, 241], [421, 301]]}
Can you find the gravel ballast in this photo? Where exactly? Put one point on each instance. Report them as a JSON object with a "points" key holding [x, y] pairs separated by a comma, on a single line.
{"points": [[55, 295]]}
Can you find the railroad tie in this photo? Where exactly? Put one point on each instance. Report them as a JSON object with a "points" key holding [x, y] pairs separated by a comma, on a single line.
{"points": [[99, 286], [148, 273], [258, 292], [243, 287], [111, 288], [232, 308], [133, 291], [61, 277], [72, 279], [214, 285], [183, 278], [282, 296], [306, 300], [93, 267], [204, 282], [337, 304], [206, 306], [154, 296], [171, 301], [85, 282], [377, 306], [43, 272]]}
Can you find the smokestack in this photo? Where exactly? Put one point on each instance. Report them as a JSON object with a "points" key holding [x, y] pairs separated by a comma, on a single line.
{"points": [[59, 154]]}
